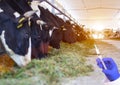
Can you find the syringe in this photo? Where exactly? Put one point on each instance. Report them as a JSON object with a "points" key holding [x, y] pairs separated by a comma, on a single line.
{"points": [[100, 57]]}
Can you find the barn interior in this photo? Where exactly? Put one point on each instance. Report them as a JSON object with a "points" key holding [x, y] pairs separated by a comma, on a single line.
{"points": [[57, 42], [94, 15]]}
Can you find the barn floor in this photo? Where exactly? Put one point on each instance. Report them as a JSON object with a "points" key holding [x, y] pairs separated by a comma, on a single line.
{"points": [[95, 77], [107, 48]]}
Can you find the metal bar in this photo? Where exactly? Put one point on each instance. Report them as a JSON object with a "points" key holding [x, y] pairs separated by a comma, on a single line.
{"points": [[57, 9], [53, 10], [58, 14], [95, 8], [39, 0]]}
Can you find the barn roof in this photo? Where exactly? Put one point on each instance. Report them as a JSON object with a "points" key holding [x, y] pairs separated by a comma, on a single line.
{"points": [[90, 12]]}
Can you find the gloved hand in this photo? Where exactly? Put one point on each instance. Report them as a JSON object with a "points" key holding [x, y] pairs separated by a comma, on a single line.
{"points": [[111, 72]]}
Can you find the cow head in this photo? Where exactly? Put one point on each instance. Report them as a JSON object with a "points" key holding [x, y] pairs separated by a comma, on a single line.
{"points": [[17, 42], [69, 35], [46, 32]]}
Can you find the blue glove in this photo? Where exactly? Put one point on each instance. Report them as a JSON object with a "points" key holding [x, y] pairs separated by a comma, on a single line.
{"points": [[111, 72]]}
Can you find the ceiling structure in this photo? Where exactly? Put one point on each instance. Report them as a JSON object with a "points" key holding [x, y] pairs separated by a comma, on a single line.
{"points": [[94, 13]]}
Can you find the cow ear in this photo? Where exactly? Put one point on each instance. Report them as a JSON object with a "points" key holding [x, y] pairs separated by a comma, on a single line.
{"points": [[39, 7], [40, 22], [30, 13]]}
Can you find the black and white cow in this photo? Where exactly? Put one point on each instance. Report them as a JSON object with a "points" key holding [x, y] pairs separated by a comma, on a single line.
{"points": [[23, 39], [17, 42], [64, 32], [56, 35], [40, 32]]}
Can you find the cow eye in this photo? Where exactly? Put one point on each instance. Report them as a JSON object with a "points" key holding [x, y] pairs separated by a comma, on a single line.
{"points": [[27, 35], [46, 25]]}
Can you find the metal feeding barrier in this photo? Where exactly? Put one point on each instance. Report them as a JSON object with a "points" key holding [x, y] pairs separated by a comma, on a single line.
{"points": [[57, 9]]}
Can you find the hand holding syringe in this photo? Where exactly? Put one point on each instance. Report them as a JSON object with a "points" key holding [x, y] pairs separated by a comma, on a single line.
{"points": [[108, 66], [100, 57]]}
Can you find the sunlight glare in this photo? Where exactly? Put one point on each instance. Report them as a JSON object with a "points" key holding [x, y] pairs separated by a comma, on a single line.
{"points": [[98, 36], [98, 26]]}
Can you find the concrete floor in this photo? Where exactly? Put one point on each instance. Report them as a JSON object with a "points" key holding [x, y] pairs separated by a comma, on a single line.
{"points": [[97, 77]]}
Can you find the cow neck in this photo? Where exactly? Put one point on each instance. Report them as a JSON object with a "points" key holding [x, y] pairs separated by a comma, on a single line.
{"points": [[6, 8]]}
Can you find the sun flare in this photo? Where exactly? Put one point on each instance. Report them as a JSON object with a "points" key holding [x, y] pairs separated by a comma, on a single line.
{"points": [[98, 36], [98, 26]]}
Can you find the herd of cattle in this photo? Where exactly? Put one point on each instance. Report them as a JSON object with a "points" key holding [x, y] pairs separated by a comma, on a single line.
{"points": [[25, 35]]}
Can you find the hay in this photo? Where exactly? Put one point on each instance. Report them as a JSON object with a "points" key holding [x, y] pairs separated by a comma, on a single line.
{"points": [[6, 64], [69, 61]]}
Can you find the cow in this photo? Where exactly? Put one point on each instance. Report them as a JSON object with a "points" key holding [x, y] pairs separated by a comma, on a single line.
{"points": [[40, 33], [63, 33], [56, 36], [80, 33], [69, 35], [46, 28], [17, 42], [22, 7]]}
